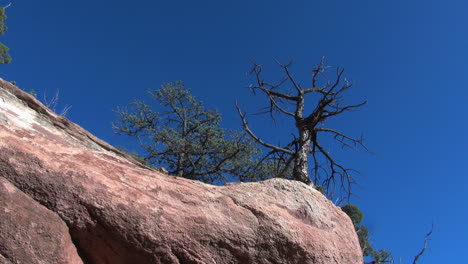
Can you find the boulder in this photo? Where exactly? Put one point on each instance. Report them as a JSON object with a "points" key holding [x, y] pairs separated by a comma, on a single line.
{"points": [[118, 211]]}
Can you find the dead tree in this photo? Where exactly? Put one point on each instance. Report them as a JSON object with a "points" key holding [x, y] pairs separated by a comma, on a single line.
{"points": [[292, 102], [426, 242]]}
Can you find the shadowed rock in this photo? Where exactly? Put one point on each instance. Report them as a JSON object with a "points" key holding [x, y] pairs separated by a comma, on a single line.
{"points": [[29, 232], [119, 211]]}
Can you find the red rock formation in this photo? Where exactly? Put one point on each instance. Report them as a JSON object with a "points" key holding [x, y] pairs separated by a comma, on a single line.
{"points": [[29, 231], [118, 211]]}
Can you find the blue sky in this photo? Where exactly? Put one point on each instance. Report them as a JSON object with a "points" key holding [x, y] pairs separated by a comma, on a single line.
{"points": [[407, 58]]}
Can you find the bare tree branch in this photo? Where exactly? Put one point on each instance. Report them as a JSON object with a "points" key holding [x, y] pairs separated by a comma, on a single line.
{"points": [[261, 142], [293, 81], [274, 105], [342, 109], [276, 94], [426, 242], [65, 110], [336, 170], [52, 104], [340, 137], [292, 103], [257, 70]]}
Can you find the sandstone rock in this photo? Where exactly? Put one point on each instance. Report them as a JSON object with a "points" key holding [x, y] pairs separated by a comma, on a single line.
{"points": [[119, 211], [29, 232]]}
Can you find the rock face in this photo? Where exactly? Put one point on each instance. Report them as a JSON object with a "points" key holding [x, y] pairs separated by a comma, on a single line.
{"points": [[68, 197], [29, 231]]}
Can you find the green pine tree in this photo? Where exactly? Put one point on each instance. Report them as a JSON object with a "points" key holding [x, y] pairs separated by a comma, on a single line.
{"points": [[377, 256], [4, 56], [186, 138]]}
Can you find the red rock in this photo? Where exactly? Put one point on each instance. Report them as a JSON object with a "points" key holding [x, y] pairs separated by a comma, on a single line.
{"points": [[119, 211], [29, 232]]}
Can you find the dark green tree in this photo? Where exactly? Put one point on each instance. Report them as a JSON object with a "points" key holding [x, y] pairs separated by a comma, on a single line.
{"points": [[381, 256], [4, 56], [356, 215], [186, 138]]}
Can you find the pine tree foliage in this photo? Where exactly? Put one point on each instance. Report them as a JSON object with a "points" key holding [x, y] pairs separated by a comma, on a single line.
{"points": [[186, 138], [356, 215], [4, 56]]}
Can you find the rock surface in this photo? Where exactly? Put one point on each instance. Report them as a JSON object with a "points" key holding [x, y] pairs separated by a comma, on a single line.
{"points": [[118, 211], [29, 231]]}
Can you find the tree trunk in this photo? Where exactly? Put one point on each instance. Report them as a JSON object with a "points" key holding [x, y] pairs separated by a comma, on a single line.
{"points": [[301, 169], [181, 159], [180, 164]]}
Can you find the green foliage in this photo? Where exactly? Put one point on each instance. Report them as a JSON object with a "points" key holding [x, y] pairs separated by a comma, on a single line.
{"points": [[258, 169], [363, 236], [356, 215], [185, 137], [381, 256], [320, 189], [4, 56], [3, 17]]}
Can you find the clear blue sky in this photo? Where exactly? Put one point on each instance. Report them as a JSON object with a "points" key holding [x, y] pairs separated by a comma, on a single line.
{"points": [[407, 58]]}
